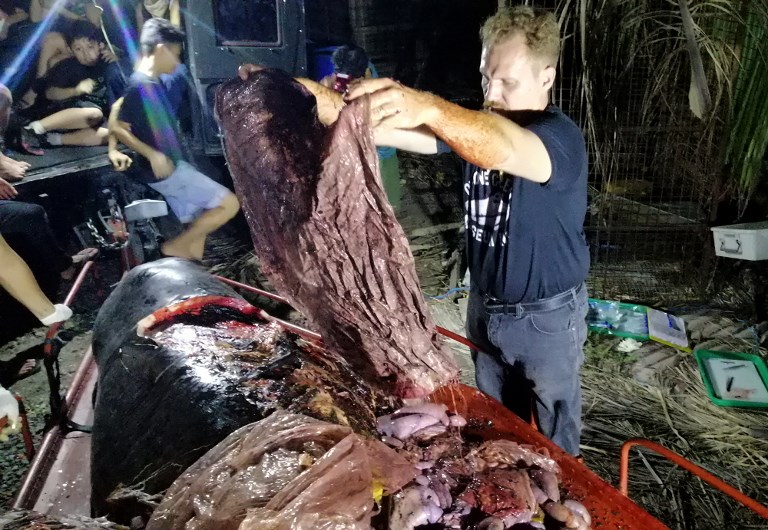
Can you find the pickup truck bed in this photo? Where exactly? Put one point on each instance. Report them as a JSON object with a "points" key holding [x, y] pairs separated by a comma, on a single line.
{"points": [[58, 481], [63, 160]]}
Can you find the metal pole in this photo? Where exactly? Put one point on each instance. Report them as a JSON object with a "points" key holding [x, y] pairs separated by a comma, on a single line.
{"points": [[686, 464]]}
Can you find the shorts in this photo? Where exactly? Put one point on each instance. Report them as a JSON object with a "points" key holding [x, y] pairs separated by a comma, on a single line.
{"points": [[189, 193]]}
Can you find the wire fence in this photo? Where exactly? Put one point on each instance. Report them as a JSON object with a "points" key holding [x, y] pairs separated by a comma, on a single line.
{"points": [[653, 173]]}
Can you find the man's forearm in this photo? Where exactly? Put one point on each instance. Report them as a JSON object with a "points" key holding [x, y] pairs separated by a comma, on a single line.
{"points": [[481, 138], [329, 102], [420, 140], [491, 141]]}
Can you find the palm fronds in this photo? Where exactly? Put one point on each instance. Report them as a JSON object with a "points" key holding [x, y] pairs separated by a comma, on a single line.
{"points": [[659, 63], [748, 135]]}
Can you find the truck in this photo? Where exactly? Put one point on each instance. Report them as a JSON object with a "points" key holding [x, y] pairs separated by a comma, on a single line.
{"points": [[78, 186], [88, 201]]}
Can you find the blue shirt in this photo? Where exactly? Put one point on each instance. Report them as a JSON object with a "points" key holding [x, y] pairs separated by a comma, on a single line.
{"points": [[525, 240], [151, 107]]}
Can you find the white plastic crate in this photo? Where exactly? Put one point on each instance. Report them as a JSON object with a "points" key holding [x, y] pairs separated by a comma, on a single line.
{"points": [[742, 241]]}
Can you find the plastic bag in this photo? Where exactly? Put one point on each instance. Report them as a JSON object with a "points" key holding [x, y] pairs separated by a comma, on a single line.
{"points": [[287, 471], [9, 410]]}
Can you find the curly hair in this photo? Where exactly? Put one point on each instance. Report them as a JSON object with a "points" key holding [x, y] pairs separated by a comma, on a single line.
{"points": [[540, 27]]}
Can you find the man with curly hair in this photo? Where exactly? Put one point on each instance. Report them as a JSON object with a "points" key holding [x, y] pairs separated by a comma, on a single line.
{"points": [[525, 195]]}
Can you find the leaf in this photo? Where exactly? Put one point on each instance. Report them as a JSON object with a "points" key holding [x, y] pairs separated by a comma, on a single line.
{"points": [[699, 97]]}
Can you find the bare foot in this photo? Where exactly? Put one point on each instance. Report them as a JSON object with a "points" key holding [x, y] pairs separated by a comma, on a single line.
{"points": [[23, 165], [174, 249], [11, 170]]}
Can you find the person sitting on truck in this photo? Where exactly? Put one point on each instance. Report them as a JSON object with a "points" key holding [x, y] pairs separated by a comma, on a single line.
{"points": [[144, 120], [10, 14], [351, 62], [17, 279], [54, 47], [10, 170], [75, 95], [146, 9]]}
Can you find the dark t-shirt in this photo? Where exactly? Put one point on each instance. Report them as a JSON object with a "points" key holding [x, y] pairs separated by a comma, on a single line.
{"points": [[151, 107], [525, 240], [69, 72]]}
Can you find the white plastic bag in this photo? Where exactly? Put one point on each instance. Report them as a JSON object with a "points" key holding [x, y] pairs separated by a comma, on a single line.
{"points": [[9, 409]]}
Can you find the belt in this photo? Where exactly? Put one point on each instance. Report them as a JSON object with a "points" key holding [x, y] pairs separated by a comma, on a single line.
{"points": [[494, 305]]}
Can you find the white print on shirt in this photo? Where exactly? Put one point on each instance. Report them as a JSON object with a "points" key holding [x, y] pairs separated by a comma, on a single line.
{"points": [[486, 203]]}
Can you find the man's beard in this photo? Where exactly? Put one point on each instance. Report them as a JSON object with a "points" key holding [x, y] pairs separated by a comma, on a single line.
{"points": [[494, 106], [521, 117]]}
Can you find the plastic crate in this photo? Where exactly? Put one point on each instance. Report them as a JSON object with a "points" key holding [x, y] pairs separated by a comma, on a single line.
{"points": [[747, 241]]}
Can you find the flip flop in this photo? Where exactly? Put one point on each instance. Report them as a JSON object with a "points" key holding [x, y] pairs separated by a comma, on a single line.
{"points": [[27, 140], [12, 371], [87, 254], [35, 365]]}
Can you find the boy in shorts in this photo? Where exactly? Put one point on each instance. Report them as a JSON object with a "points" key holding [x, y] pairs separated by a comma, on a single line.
{"points": [[145, 121], [74, 96]]}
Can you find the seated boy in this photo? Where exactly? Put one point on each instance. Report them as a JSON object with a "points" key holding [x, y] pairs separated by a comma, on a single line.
{"points": [[145, 121], [75, 95], [10, 14], [10, 170], [59, 16]]}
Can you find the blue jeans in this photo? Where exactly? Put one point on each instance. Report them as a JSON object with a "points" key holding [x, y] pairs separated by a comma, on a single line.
{"points": [[530, 361]]}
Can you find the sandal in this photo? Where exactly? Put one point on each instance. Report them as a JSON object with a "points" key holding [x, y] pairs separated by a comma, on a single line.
{"points": [[21, 366], [87, 254], [28, 369]]}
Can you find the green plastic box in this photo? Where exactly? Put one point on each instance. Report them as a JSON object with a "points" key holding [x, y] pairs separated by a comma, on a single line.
{"points": [[729, 370]]}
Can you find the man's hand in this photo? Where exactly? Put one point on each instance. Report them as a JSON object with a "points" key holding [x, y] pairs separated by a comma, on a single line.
{"points": [[120, 161], [85, 86], [162, 166], [7, 191], [247, 69], [394, 106]]}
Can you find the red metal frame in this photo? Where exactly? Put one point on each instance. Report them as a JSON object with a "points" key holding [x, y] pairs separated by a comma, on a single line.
{"points": [[489, 419], [686, 464], [27, 498], [276, 297], [54, 329], [624, 471], [26, 432]]}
